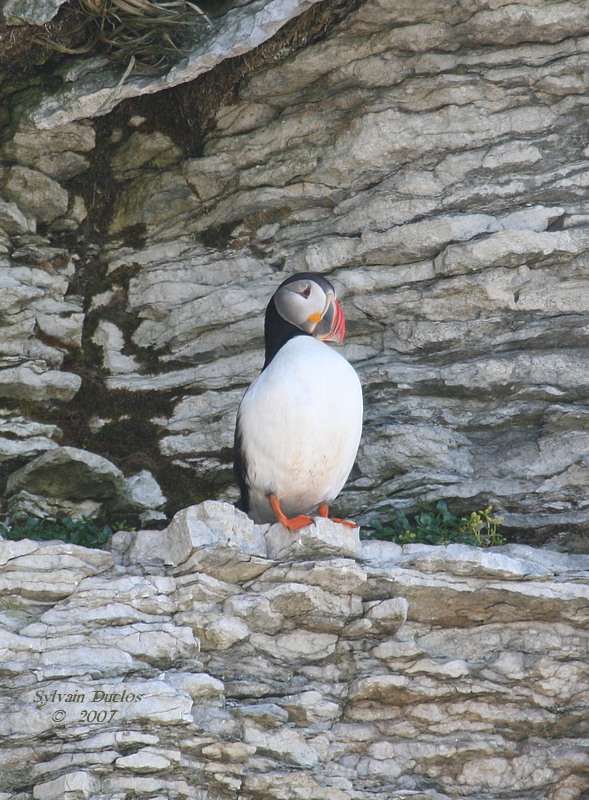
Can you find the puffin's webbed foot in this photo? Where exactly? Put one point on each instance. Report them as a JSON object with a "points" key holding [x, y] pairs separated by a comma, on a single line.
{"points": [[324, 512], [294, 523]]}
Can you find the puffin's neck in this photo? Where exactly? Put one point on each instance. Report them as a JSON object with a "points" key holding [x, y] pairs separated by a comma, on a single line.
{"points": [[277, 332]]}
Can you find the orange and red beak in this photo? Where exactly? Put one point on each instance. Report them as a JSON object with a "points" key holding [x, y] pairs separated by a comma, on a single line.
{"points": [[332, 325]]}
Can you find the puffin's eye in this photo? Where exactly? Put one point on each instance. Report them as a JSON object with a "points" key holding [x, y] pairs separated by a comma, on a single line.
{"points": [[306, 292]]}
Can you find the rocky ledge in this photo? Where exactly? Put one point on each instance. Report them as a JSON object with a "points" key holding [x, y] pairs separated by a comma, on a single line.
{"points": [[219, 659]]}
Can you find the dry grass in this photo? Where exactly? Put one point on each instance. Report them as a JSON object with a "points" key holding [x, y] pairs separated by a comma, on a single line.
{"points": [[153, 33]]}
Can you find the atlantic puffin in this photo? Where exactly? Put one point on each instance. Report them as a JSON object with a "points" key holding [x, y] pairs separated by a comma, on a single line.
{"points": [[299, 423]]}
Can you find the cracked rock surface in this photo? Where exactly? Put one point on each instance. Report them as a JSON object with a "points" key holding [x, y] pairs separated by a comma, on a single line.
{"points": [[193, 664]]}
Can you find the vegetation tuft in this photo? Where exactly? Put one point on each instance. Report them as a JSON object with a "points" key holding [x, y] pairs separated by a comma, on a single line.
{"points": [[84, 531], [150, 33], [437, 525]]}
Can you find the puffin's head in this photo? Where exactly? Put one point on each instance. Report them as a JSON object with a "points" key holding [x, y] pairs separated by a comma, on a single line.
{"points": [[307, 301]]}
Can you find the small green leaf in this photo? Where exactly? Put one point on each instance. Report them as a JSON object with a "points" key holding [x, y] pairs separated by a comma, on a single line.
{"points": [[84, 532], [437, 525]]}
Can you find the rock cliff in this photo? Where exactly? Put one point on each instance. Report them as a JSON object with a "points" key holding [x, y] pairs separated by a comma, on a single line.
{"points": [[221, 660], [431, 160]]}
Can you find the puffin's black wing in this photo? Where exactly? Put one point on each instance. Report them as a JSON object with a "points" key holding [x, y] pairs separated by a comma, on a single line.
{"points": [[240, 469]]}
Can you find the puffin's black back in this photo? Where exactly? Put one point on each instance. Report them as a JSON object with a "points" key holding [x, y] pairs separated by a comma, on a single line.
{"points": [[277, 332], [239, 471]]}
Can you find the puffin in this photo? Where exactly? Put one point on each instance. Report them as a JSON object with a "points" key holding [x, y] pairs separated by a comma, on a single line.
{"points": [[299, 423]]}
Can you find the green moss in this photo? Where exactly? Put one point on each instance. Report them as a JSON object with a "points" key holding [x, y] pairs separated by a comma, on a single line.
{"points": [[84, 532]]}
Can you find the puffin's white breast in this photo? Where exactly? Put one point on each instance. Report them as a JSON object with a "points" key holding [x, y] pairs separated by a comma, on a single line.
{"points": [[300, 424]]}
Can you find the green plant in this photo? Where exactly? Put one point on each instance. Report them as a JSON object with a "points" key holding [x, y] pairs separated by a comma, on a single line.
{"points": [[437, 525], [77, 531]]}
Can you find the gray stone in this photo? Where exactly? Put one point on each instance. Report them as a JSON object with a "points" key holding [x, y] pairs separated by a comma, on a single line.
{"points": [[286, 745], [458, 307], [301, 645], [44, 572], [213, 538], [30, 12], [153, 150], [72, 786], [143, 493], [57, 153], [388, 615], [45, 322], [110, 338], [380, 551], [434, 170], [69, 473], [38, 385], [322, 539], [35, 193], [459, 252], [338, 575], [12, 219], [22, 440], [22, 504], [88, 93], [467, 560], [451, 682]]}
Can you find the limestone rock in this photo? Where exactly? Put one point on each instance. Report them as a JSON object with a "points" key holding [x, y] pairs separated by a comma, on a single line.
{"points": [[388, 614], [461, 275], [46, 321], [58, 153], [143, 494], [96, 92], [110, 338], [43, 572], [23, 504], [466, 560], [22, 440], [66, 472], [434, 166], [322, 539], [144, 491], [31, 12], [38, 384], [214, 538], [432, 669], [285, 745], [65, 481], [155, 150], [224, 633], [301, 645], [34, 193], [13, 220]]}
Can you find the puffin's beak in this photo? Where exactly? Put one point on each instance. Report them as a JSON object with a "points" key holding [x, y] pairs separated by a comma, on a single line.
{"points": [[332, 325]]}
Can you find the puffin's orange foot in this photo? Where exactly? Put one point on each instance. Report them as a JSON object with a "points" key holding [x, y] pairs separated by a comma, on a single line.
{"points": [[324, 512], [347, 522], [294, 523]]}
